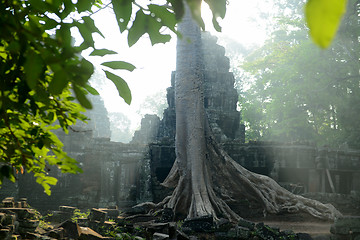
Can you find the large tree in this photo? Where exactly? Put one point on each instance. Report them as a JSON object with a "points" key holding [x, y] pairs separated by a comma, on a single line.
{"points": [[206, 180]]}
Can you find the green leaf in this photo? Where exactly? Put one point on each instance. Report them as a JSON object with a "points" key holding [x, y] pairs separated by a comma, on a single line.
{"points": [[38, 4], [80, 96], [121, 86], [167, 18], [51, 180], [195, 8], [85, 33], [89, 22], [68, 7], [153, 30], [49, 23], [102, 52], [119, 65], [323, 19], [122, 10], [218, 7], [84, 5], [33, 68], [178, 7], [58, 83], [216, 24], [138, 28], [64, 35], [91, 90]]}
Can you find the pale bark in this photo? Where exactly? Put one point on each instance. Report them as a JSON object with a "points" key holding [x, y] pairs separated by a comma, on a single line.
{"points": [[205, 178]]}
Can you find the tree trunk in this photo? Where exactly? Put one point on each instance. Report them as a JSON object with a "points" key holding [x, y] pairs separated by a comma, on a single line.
{"points": [[206, 180]]}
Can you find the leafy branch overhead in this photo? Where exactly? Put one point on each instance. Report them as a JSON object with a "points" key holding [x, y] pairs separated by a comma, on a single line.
{"points": [[42, 73]]}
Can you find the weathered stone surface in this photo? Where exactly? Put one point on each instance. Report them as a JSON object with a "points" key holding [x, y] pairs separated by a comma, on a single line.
{"points": [[140, 218], [246, 224], [181, 235], [198, 224], [223, 225], [29, 224], [21, 213], [97, 215], [67, 209], [242, 232], [8, 202], [89, 234], [160, 236], [36, 236], [5, 234], [167, 215], [9, 219], [57, 233], [71, 229], [111, 213]]}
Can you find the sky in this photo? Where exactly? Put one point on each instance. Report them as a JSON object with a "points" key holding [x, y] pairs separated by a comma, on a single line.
{"points": [[154, 64]]}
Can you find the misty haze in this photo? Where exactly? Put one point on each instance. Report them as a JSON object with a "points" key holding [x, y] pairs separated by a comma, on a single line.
{"points": [[248, 133]]}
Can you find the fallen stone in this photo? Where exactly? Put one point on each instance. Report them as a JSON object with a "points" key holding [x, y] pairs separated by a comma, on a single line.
{"points": [[97, 215], [198, 224], [2, 217], [167, 215], [181, 235], [72, 230], [9, 219], [58, 233], [223, 225], [33, 236], [5, 234], [160, 236], [243, 233], [21, 213], [111, 213], [156, 227], [59, 216], [89, 234], [8, 202], [67, 209], [28, 223], [172, 230], [140, 218], [246, 224]]}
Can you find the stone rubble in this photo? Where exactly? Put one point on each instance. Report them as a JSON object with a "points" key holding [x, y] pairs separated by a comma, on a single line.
{"points": [[19, 221]]}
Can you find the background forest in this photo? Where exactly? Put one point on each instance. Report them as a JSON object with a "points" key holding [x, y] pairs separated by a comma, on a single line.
{"points": [[293, 91]]}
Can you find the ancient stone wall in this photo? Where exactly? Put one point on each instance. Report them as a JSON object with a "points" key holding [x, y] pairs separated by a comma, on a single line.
{"points": [[294, 166], [220, 97], [113, 173]]}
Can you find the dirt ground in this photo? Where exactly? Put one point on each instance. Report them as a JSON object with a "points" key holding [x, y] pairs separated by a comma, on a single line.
{"points": [[297, 223]]}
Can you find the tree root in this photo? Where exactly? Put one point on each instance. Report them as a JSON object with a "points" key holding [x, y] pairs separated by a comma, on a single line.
{"points": [[230, 182]]}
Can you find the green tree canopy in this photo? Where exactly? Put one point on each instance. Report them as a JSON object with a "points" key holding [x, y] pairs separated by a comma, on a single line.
{"points": [[301, 92]]}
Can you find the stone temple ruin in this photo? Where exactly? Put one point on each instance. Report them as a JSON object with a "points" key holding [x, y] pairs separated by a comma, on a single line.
{"points": [[125, 174]]}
